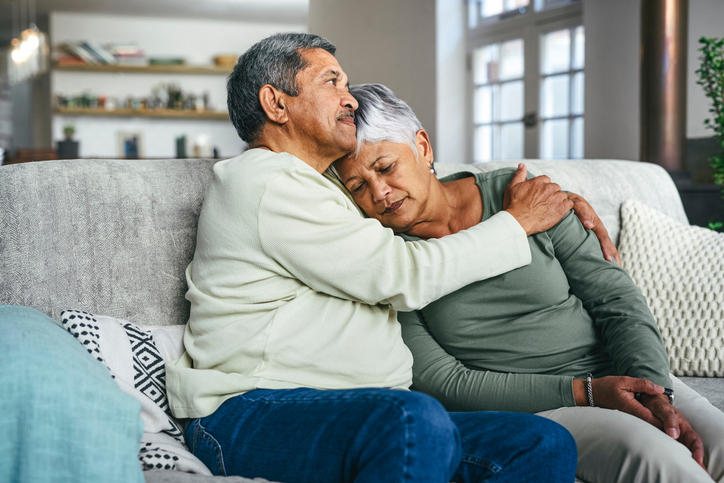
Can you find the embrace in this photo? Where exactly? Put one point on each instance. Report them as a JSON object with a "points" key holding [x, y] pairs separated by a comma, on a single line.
{"points": [[296, 367]]}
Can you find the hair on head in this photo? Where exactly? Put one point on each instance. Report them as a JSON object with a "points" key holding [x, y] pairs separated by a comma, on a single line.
{"points": [[382, 116], [275, 60]]}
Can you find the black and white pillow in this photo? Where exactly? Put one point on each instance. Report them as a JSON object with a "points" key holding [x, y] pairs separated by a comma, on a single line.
{"points": [[135, 355]]}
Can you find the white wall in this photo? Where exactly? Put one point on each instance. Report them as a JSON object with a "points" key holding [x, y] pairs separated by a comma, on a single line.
{"points": [[706, 18], [613, 36], [195, 40], [453, 143], [390, 43]]}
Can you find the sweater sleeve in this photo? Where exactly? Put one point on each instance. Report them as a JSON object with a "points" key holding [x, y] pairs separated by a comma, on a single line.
{"points": [[622, 317], [312, 233], [459, 388]]}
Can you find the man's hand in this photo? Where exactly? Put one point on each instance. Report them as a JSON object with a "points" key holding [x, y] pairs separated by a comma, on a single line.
{"points": [[673, 423], [537, 204], [591, 221]]}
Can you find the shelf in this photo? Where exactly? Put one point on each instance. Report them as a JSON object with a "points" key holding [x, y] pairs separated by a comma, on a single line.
{"points": [[146, 69], [156, 113]]}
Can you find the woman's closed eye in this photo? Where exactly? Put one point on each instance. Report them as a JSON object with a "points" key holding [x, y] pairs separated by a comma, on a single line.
{"points": [[387, 168], [357, 188]]}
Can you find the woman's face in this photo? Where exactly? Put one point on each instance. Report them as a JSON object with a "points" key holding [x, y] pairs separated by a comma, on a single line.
{"points": [[389, 182]]}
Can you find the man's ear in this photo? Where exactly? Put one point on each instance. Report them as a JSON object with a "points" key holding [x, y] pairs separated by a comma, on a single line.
{"points": [[424, 148], [273, 101]]}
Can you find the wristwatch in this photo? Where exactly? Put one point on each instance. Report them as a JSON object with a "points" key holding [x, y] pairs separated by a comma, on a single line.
{"points": [[667, 392]]}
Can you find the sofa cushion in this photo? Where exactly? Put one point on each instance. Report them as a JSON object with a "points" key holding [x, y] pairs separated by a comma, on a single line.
{"points": [[680, 270], [135, 355], [63, 417]]}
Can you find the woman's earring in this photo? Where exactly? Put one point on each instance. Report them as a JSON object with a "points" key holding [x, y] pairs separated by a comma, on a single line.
{"points": [[432, 170]]}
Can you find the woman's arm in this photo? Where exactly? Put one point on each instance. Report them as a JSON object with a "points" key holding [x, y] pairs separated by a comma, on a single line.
{"points": [[627, 328], [622, 317], [458, 388]]}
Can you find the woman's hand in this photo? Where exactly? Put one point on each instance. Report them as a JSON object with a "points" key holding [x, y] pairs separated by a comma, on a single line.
{"points": [[619, 392], [673, 423], [591, 221]]}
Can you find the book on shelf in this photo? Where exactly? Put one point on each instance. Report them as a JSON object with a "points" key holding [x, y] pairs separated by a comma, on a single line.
{"points": [[132, 60], [125, 48], [76, 49], [69, 60], [128, 53], [102, 55]]}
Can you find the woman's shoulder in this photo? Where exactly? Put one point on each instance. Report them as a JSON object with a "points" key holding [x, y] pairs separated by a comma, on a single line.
{"points": [[495, 181]]}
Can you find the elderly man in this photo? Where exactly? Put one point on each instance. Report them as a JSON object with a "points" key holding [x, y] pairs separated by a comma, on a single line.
{"points": [[293, 350]]}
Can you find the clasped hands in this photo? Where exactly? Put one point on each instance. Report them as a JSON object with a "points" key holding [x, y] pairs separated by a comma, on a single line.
{"points": [[618, 392]]}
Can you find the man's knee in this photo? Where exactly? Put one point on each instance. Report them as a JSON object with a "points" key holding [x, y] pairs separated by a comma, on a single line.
{"points": [[546, 449], [417, 426], [418, 415]]}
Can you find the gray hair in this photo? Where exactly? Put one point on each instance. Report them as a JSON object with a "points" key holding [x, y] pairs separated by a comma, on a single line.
{"points": [[275, 60], [382, 116]]}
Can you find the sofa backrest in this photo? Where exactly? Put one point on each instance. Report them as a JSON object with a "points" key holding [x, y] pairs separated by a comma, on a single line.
{"points": [[114, 237], [109, 237], [605, 184]]}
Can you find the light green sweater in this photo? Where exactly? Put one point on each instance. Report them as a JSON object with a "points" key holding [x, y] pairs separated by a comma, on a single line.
{"points": [[515, 342], [290, 286]]}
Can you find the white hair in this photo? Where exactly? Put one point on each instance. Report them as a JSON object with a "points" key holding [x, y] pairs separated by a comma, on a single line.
{"points": [[382, 116]]}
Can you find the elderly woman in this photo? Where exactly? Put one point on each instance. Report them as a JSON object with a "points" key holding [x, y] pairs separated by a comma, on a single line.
{"points": [[568, 337]]}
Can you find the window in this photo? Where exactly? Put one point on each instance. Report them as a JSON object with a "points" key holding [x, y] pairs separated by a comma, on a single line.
{"points": [[561, 94], [527, 79], [498, 100]]}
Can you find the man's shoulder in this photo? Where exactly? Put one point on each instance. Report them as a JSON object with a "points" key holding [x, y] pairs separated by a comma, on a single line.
{"points": [[252, 166]]}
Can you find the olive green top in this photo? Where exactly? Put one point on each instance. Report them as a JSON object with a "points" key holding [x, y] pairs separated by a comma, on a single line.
{"points": [[515, 342]]}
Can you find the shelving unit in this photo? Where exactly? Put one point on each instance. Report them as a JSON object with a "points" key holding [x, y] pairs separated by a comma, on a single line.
{"points": [[99, 131], [155, 113], [146, 69]]}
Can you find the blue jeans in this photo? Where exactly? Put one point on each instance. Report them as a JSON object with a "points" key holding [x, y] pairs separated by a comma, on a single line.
{"points": [[376, 435]]}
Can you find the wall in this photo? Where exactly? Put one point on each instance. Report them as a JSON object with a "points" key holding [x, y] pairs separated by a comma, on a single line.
{"points": [[391, 43], [195, 40], [613, 35], [453, 141], [706, 18]]}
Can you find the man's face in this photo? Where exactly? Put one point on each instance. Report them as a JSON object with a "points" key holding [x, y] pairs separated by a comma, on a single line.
{"points": [[322, 115]]}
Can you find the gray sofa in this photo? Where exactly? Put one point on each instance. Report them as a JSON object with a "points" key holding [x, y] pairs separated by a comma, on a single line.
{"points": [[115, 236]]}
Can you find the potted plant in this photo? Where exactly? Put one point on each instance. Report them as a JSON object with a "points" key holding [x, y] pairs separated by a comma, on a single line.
{"points": [[711, 78], [68, 148]]}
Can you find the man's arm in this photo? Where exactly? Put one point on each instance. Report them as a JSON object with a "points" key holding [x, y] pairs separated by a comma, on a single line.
{"points": [[316, 234]]}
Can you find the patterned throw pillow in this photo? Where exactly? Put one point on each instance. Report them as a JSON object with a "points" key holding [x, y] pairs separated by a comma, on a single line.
{"points": [[680, 270], [135, 356]]}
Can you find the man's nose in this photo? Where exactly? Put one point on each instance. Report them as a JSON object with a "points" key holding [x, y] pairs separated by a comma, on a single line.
{"points": [[349, 101]]}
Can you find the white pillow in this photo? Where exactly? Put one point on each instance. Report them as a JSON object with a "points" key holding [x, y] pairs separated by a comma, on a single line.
{"points": [[136, 355], [680, 270]]}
